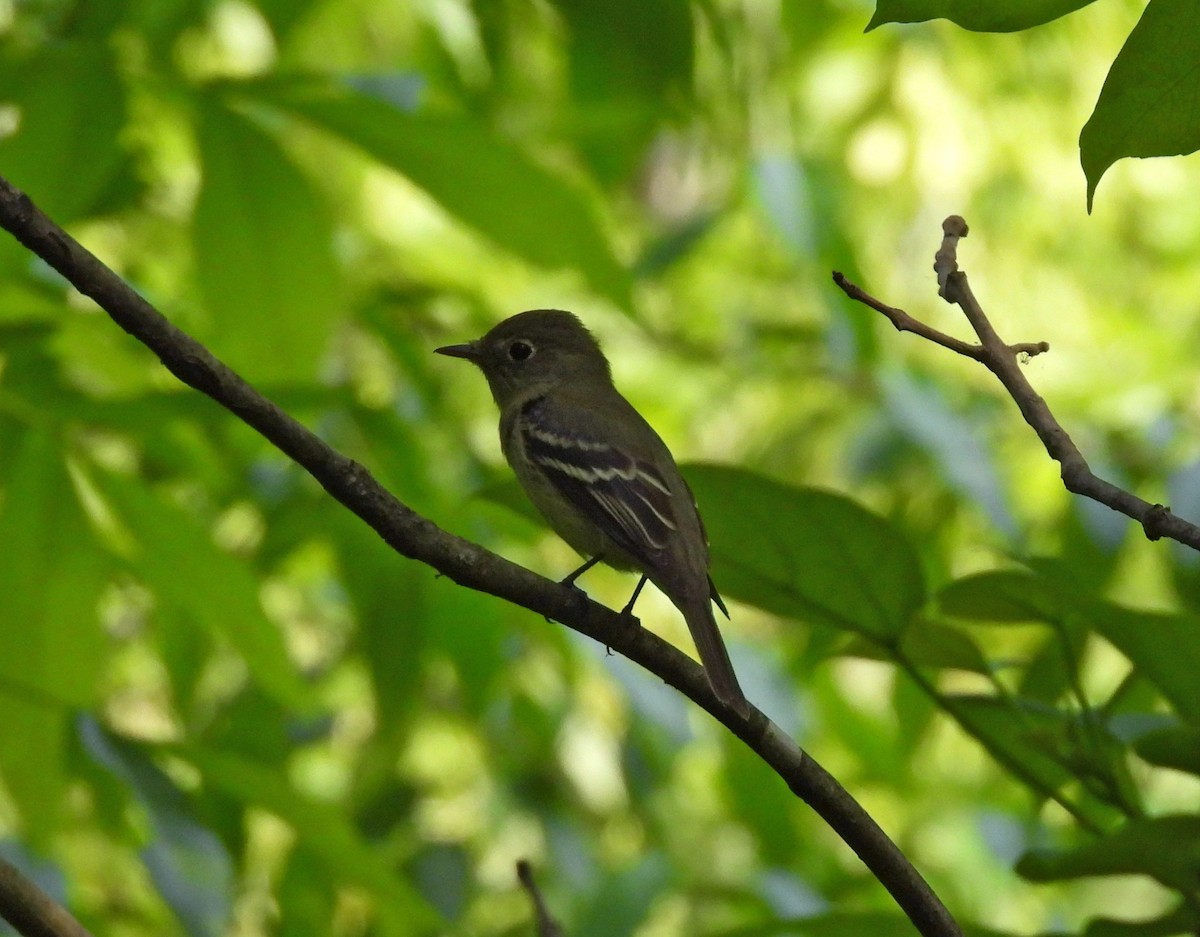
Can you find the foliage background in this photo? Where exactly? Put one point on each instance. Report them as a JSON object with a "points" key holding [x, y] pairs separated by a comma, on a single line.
{"points": [[228, 709]]}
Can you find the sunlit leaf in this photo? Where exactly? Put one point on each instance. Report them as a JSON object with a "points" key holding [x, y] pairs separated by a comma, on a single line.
{"points": [[481, 178], [979, 15], [1151, 97]]}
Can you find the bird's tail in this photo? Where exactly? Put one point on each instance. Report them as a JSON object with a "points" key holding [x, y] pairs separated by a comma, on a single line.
{"points": [[702, 624]]}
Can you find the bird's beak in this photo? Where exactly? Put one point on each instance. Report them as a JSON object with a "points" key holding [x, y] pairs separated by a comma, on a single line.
{"points": [[469, 350]]}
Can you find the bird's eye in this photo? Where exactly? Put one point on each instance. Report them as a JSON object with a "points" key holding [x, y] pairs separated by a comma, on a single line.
{"points": [[520, 350]]}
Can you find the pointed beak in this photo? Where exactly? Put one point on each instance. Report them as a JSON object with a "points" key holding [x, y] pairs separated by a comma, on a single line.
{"points": [[469, 351]]}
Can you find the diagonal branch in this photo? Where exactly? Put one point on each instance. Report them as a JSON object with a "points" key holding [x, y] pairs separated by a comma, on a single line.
{"points": [[30, 910], [468, 564], [1004, 361]]}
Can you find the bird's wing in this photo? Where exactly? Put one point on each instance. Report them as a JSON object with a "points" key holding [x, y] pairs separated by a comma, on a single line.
{"points": [[625, 496]]}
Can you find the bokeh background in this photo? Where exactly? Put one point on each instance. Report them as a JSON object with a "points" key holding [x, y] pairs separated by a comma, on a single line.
{"points": [[227, 708]]}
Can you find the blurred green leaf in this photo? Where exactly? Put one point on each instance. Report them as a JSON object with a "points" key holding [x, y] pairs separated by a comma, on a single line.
{"points": [[1164, 848], [199, 584], [1030, 741], [628, 59], [622, 902], [807, 554], [1164, 648], [264, 252], [1175, 747], [52, 645], [66, 153], [1181, 920], [187, 862], [1151, 97], [1013, 596], [323, 831], [52, 648], [482, 179], [978, 15]]}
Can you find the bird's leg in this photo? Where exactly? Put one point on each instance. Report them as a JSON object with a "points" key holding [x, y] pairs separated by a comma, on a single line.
{"points": [[627, 611], [570, 580]]}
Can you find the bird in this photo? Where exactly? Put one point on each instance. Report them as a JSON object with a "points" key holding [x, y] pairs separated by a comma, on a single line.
{"points": [[598, 473]]}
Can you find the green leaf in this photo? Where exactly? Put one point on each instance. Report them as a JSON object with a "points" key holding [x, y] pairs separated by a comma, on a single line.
{"points": [[480, 178], [622, 902], [187, 862], [1164, 848], [323, 831], [807, 554], [1009, 596], [979, 15], [1027, 740], [1151, 97], [51, 644], [1164, 648], [928, 644], [197, 583], [264, 252], [1175, 747], [1181, 920], [72, 112]]}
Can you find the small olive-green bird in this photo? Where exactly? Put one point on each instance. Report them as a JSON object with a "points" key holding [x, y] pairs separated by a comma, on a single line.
{"points": [[600, 475]]}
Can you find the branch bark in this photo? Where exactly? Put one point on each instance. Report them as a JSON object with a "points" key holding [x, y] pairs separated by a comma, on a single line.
{"points": [[468, 564], [1004, 361], [30, 910]]}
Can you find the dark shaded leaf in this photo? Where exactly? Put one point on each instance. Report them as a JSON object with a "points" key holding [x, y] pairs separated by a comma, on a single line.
{"points": [[1151, 97], [807, 554], [1164, 848], [978, 15], [1175, 747]]}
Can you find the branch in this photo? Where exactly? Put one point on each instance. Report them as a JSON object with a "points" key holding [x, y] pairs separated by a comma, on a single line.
{"points": [[546, 925], [468, 564], [30, 910], [1004, 361]]}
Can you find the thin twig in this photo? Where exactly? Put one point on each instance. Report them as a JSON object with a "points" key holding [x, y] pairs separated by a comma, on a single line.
{"points": [[30, 910], [546, 925], [468, 564], [1004, 361]]}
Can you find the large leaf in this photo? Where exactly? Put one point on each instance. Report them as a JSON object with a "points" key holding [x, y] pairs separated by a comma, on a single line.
{"points": [[1150, 102], [807, 554], [1164, 848], [979, 15], [264, 252], [479, 177]]}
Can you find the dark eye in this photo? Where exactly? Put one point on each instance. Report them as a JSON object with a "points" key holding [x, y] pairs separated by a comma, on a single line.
{"points": [[520, 350]]}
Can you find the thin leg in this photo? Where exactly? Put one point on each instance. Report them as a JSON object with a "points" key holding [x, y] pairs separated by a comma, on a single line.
{"points": [[627, 611], [570, 580]]}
